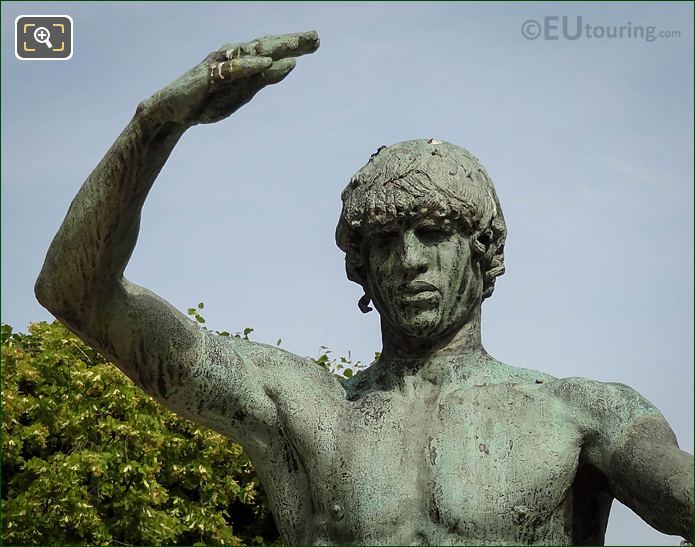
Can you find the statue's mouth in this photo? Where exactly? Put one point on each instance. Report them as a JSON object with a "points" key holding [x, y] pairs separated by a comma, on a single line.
{"points": [[416, 287], [418, 292], [421, 297]]}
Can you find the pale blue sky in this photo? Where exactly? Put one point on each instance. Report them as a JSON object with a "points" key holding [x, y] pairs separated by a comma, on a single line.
{"points": [[589, 142]]}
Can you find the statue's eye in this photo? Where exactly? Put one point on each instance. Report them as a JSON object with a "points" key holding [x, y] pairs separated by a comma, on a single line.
{"points": [[384, 237], [432, 233]]}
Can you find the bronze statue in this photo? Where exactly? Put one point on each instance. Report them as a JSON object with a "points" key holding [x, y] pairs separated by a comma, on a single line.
{"points": [[435, 443]]}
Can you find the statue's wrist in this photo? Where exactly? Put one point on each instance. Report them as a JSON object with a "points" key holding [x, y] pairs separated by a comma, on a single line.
{"points": [[150, 114]]}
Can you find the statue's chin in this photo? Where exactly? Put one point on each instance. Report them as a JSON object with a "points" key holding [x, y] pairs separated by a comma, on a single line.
{"points": [[423, 324]]}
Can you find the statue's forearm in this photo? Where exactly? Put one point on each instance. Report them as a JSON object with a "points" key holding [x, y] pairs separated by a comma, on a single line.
{"points": [[86, 260], [93, 245]]}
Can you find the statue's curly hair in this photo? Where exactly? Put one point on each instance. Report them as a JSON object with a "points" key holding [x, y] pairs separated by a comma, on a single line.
{"points": [[422, 178]]}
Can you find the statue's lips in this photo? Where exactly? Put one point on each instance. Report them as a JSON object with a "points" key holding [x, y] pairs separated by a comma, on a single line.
{"points": [[418, 292], [419, 297]]}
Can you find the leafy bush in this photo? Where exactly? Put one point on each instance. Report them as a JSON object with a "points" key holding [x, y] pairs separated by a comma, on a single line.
{"points": [[89, 458]]}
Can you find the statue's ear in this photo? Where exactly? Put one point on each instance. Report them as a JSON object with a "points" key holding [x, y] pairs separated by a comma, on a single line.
{"points": [[485, 237], [479, 244], [363, 303]]}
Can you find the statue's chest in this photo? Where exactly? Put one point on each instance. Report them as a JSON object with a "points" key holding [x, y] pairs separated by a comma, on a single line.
{"points": [[467, 461], [497, 457]]}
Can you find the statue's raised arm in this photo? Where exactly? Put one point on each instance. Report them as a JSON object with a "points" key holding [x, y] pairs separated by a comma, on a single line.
{"points": [[82, 280]]}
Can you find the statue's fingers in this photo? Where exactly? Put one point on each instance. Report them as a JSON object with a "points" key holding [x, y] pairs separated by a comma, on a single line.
{"points": [[229, 47], [239, 68], [222, 54], [277, 72], [286, 45]]}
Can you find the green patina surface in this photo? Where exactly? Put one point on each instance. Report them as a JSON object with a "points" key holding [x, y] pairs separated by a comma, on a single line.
{"points": [[437, 442]]}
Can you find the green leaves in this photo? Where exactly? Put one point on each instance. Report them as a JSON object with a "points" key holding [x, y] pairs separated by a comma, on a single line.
{"points": [[343, 367], [193, 312], [91, 459]]}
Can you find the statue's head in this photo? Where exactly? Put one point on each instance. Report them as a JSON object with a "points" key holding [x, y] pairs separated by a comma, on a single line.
{"points": [[423, 233]]}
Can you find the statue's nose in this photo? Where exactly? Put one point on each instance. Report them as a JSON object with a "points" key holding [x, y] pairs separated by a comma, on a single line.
{"points": [[414, 254]]}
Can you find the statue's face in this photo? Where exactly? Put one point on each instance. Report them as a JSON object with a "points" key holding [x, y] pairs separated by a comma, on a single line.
{"points": [[422, 277]]}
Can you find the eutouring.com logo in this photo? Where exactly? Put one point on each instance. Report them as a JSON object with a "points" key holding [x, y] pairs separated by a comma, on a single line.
{"points": [[554, 27]]}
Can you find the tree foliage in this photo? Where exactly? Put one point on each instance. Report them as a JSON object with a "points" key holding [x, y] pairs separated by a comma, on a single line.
{"points": [[89, 458]]}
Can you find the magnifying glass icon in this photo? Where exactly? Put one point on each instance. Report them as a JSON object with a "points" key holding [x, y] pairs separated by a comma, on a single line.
{"points": [[42, 36]]}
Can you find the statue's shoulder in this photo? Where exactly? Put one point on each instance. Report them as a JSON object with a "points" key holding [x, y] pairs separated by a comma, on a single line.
{"points": [[520, 375], [601, 403], [281, 371]]}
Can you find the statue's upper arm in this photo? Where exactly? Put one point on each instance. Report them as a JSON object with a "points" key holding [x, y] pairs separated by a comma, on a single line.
{"points": [[632, 444], [249, 390], [604, 412], [231, 385], [617, 414], [189, 369]]}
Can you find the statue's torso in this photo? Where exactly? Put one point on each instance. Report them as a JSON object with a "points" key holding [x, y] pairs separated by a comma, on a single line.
{"points": [[455, 463]]}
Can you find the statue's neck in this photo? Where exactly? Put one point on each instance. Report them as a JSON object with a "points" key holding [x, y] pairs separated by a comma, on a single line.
{"points": [[406, 355]]}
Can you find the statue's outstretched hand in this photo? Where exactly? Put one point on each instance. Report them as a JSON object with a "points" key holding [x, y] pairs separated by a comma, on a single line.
{"points": [[228, 78]]}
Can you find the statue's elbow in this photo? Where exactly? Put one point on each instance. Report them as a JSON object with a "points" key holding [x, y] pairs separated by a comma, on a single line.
{"points": [[47, 295], [42, 292]]}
